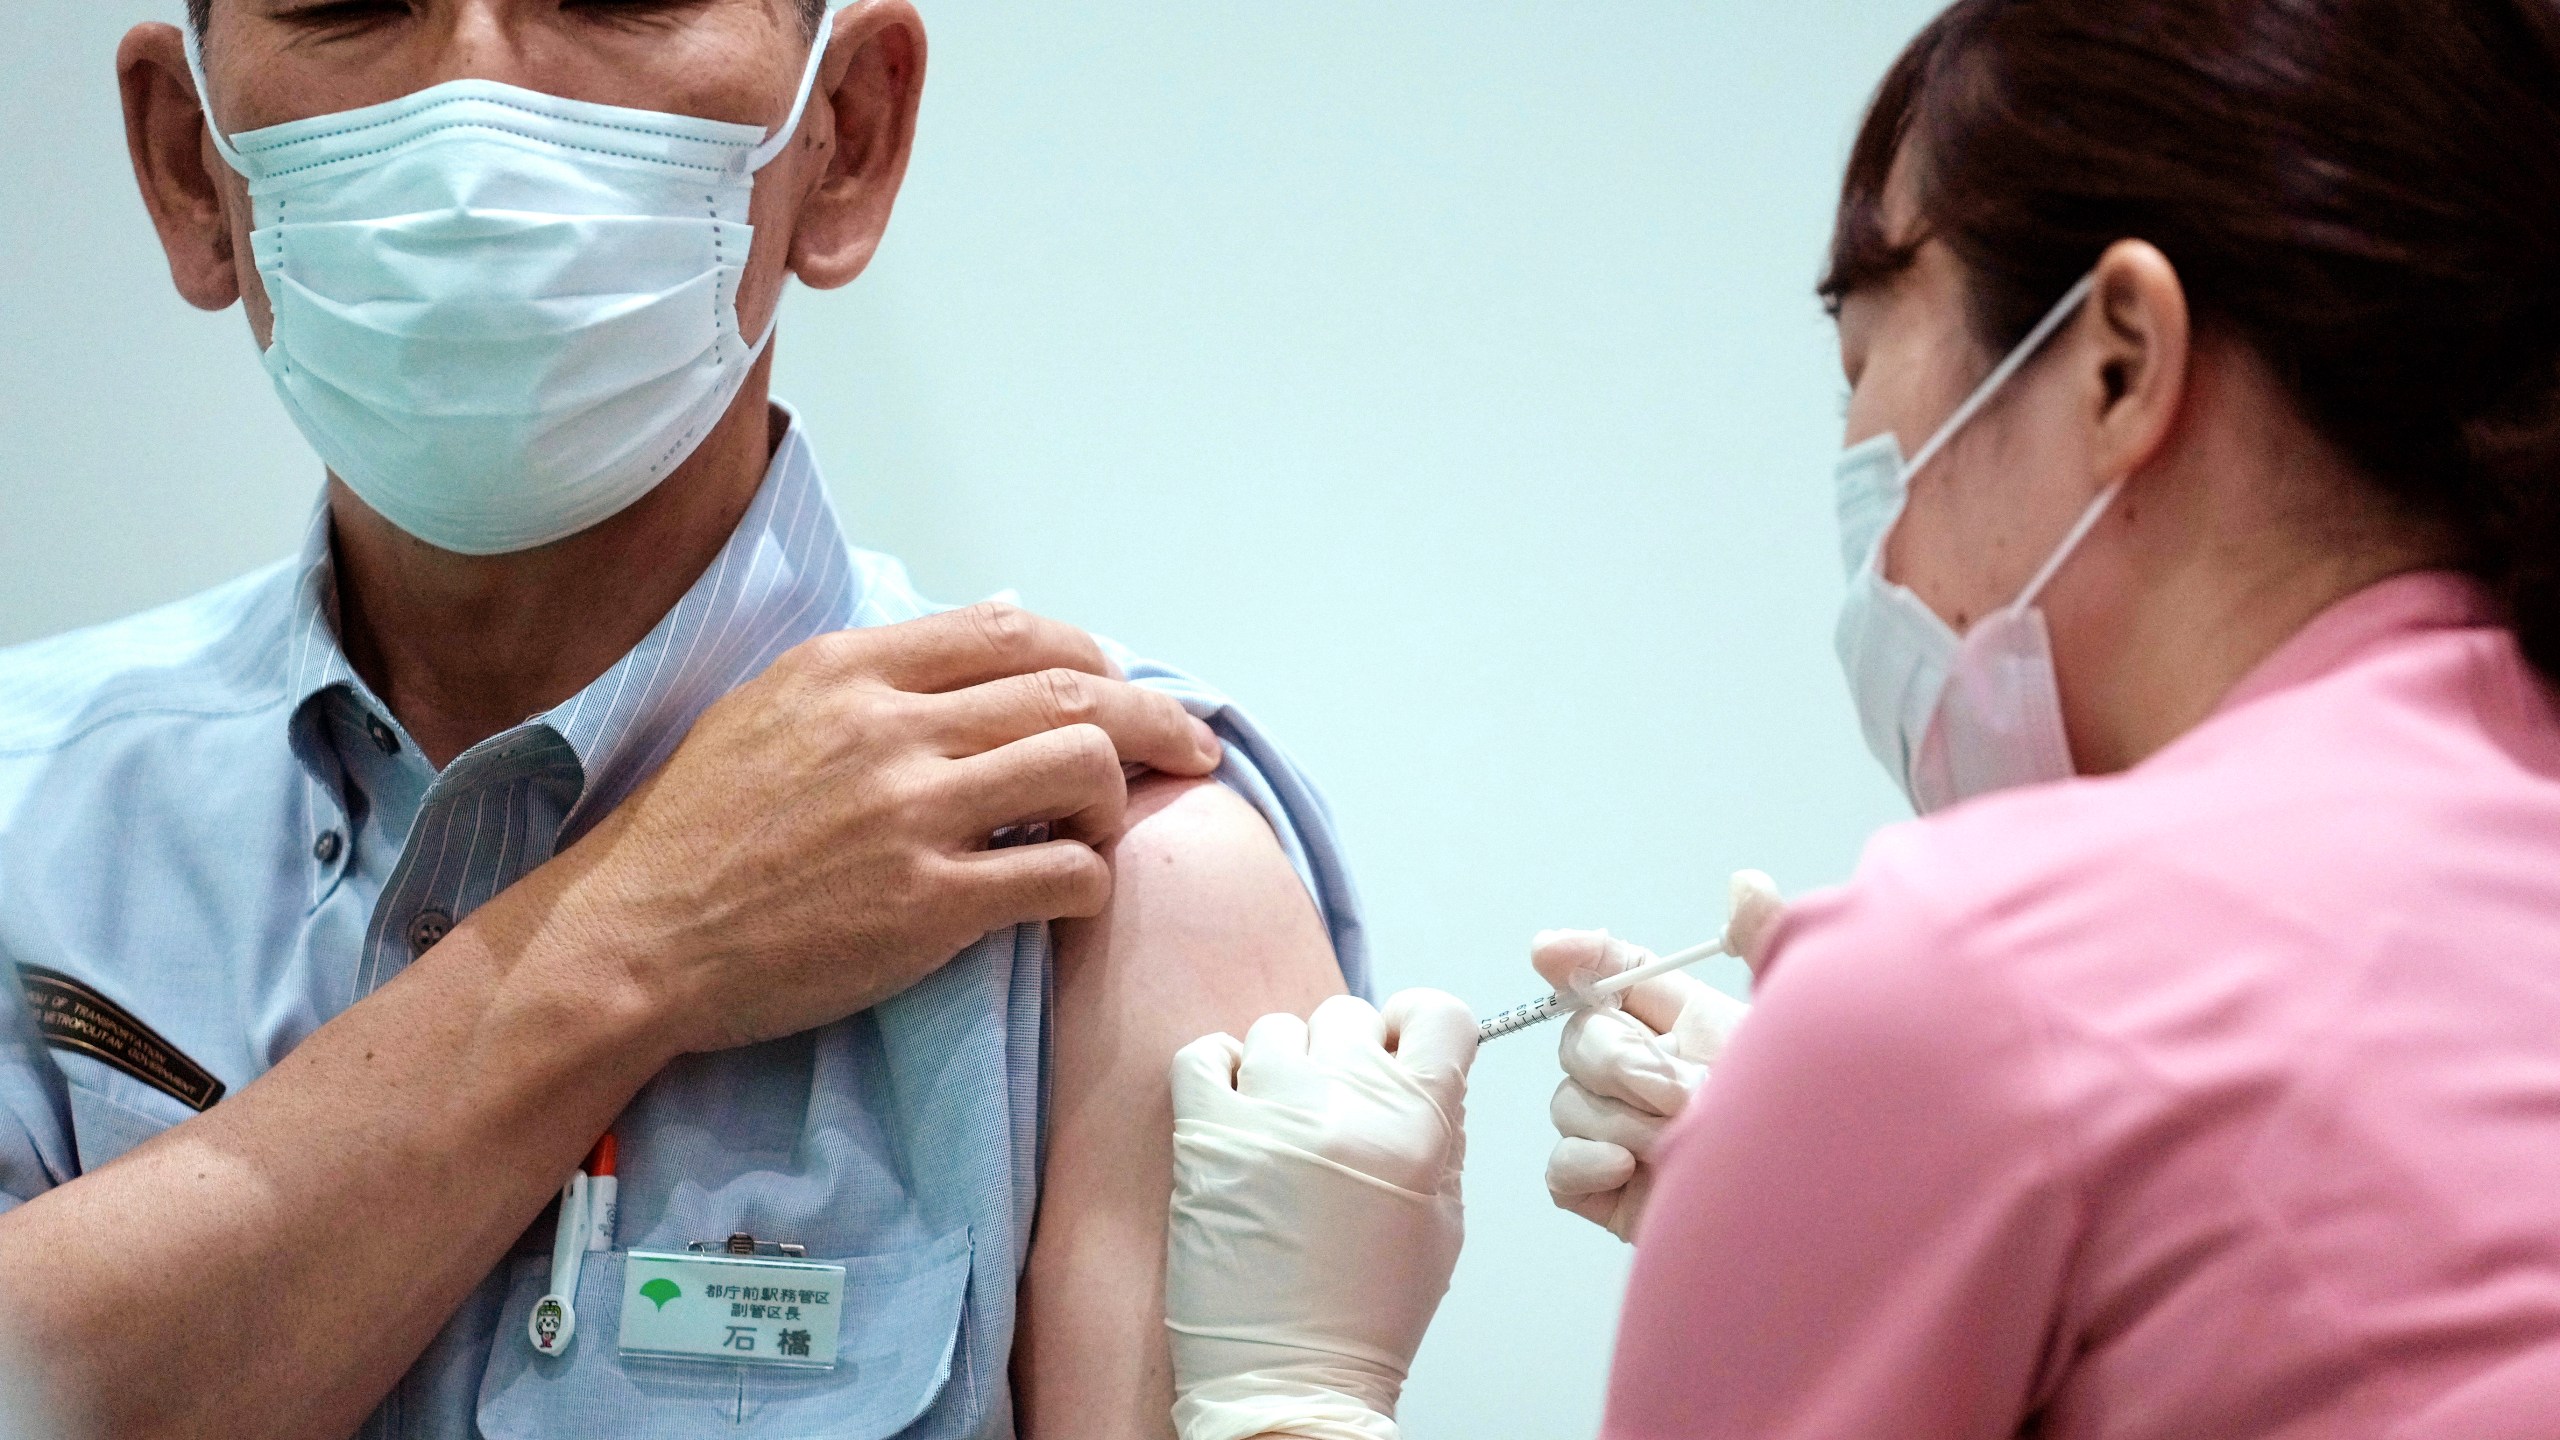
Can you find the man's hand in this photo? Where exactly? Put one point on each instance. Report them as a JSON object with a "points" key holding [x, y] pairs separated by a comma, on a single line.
{"points": [[821, 840], [819, 843]]}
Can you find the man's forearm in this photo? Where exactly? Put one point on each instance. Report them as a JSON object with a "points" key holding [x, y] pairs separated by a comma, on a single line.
{"points": [[273, 1266]]}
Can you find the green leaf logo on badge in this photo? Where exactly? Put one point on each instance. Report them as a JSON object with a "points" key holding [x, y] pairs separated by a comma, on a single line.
{"points": [[660, 1291]]}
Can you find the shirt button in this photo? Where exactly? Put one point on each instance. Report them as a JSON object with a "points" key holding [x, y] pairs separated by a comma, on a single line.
{"points": [[426, 928], [328, 847], [383, 739]]}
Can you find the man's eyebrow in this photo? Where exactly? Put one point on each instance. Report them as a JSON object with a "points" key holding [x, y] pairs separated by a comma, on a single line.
{"points": [[332, 9]]}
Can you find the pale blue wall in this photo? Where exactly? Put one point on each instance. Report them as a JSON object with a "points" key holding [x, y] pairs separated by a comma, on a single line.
{"points": [[1442, 376]]}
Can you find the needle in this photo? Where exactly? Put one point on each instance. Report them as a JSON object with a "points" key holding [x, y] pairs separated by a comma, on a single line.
{"points": [[1755, 907]]}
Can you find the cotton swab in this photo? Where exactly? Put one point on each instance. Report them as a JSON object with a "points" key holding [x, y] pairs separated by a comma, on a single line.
{"points": [[1754, 908]]}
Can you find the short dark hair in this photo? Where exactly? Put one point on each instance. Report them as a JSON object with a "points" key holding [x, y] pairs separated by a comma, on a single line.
{"points": [[2365, 192], [813, 13]]}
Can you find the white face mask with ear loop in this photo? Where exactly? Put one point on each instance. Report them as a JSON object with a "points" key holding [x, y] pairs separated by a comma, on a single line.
{"points": [[500, 316], [1951, 716]]}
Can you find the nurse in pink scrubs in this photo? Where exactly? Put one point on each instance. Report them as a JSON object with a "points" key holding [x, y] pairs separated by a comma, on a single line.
{"points": [[2192, 1067]]}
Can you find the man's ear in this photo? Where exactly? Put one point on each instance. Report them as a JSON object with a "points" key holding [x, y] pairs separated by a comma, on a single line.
{"points": [[173, 159], [871, 84], [2139, 314]]}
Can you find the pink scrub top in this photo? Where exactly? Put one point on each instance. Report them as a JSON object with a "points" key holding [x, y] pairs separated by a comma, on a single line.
{"points": [[2220, 1098]]}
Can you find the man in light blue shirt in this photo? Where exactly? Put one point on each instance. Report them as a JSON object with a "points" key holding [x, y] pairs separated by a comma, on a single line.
{"points": [[337, 962]]}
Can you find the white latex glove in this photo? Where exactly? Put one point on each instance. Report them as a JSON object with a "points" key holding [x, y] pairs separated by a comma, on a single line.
{"points": [[1629, 1070], [1315, 1215]]}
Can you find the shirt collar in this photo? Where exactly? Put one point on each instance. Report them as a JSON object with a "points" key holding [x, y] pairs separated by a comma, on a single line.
{"points": [[2385, 610], [313, 661], [784, 576]]}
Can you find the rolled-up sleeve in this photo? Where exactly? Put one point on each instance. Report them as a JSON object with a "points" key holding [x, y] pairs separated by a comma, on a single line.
{"points": [[1864, 1225]]}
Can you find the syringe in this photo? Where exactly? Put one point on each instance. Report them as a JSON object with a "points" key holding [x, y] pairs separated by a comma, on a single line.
{"points": [[1755, 907]]}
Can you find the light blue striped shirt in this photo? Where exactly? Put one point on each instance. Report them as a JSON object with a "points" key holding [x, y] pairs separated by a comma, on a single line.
{"points": [[214, 838]]}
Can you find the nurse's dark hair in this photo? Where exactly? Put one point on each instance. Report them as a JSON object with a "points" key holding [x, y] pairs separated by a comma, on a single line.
{"points": [[2365, 192]]}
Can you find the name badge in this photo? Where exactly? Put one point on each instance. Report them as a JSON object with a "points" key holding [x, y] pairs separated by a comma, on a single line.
{"points": [[731, 1308]]}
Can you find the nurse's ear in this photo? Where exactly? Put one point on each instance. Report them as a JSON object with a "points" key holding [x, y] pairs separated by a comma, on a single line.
{"points": [[2138, 313], [864, 118], [175, 164]]}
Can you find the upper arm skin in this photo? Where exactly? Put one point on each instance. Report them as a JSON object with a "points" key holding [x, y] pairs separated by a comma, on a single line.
{"points": [[1208, 929]]}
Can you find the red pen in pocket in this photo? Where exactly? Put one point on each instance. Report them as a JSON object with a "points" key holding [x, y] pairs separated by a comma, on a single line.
{"points": [[603, 1194]]}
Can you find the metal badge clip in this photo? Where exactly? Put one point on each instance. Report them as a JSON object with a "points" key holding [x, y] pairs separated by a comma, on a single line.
{"points": [[743, 1243]]}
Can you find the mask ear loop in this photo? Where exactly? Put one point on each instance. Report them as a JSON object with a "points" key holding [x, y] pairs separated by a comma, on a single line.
{"points": [[2088, 521], [2001, 374], [2007, 369], [780, 140], [2098, 508], [204, 102]]}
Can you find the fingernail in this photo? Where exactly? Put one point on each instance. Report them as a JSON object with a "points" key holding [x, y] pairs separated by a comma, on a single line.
{"points": [[1212, 749]]}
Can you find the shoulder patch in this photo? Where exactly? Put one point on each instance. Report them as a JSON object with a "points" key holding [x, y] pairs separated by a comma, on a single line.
{"points": [[73, 1017]]}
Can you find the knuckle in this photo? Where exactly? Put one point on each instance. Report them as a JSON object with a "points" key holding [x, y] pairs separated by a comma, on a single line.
{"points": [[1006, 628], [919, 891], [835, 652], [1564, 1105], [1089, 748], [1565, 1184], [840, 703], [1084, 883], [910, 803], [1576, 1071], [1162, 709], [888, 722], [1070, 698], [888, 712], [947, 896]]}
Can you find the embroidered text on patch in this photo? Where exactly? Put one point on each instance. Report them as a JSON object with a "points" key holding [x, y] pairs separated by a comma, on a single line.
{"points": [[73, 1017]]}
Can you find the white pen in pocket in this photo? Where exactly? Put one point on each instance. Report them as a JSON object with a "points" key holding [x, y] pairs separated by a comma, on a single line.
{"points": [[588, 1203], [1754, 908], [554, 1321]]}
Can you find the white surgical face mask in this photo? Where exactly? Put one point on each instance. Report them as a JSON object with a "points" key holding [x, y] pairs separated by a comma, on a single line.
{"points": [[501, 317], [1951, 716]]}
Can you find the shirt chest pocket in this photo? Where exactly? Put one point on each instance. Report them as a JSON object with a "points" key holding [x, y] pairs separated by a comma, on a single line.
{"points": [[103, 1128], [897, 1336]]}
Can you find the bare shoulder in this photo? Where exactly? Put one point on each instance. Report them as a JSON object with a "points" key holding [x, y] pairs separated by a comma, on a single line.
{"points": [[1208, 929], [1175, 821], [1199, 876]]}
